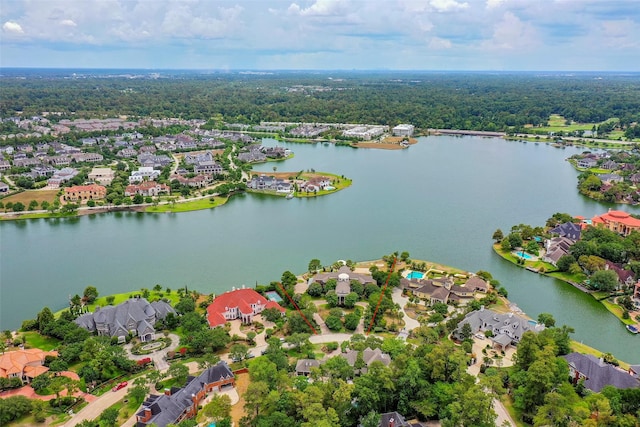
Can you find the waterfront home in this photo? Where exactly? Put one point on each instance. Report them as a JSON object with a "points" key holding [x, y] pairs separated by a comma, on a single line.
{"points": [[135, 316], [610, 178], [618, 221], [84, 192], [444, 290], [264, 182], [597, 374], [146, 188], [507, 328], [570, 230], [322, 278], [587, 163], [24, 364], [556, 248], [241, 304], [178, 404]]}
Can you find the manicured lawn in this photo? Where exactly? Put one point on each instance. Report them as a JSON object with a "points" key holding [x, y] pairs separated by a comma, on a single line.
{"points": [[118, 298], [35, 340], [194, 205], [617, 311], [577, 278]]}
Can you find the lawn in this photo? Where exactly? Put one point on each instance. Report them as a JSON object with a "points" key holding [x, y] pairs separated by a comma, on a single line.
{"points": [[27, 196], [118, 298], [35, 340], [194, 205], [617, 311]]}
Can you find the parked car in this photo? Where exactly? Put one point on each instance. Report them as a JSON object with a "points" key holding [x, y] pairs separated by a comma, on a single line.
{"points": [[250, 356], [117, 387], [479, 336]]}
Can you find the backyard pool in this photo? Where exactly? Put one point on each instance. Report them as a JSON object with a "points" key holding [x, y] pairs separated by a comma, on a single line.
{"points": [[273, 296], [524, 255], [415, 275]]}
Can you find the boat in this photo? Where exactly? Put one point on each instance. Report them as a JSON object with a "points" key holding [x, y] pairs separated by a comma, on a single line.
{"points": [[632, 329], [290, 196]]}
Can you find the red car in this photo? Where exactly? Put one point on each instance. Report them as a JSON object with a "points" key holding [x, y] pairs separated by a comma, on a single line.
{"points": [[123, 384]]}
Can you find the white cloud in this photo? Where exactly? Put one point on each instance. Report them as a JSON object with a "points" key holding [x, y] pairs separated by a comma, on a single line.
{"points": [[492, 4], [319, 8], [511, 33], [448, 5], [68, 23], [12, 27]]}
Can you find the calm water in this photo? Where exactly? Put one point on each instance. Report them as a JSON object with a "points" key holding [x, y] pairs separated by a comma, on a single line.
{"points": [[441, 200]]}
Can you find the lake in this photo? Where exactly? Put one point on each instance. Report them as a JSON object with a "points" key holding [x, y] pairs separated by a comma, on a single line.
{"points": [[441, 200]]}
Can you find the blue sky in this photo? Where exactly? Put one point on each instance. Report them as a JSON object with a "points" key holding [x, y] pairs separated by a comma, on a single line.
{"points": [[578, 35]]}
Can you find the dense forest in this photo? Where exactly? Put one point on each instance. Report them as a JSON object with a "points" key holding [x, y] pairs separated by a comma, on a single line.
{"points": [[479, 101]]}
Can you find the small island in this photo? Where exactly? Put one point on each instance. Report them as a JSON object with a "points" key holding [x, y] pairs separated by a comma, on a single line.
{"points": [[599, 256], [383, 333]]}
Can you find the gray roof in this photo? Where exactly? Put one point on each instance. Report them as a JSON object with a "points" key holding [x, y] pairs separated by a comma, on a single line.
{"points": [[362, 278], [599, 374], [569, 230], [167, 409], [305, 365], [509, 324]]}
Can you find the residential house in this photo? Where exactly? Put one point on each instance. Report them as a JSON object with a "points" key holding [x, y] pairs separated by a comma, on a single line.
{"points": [[610, 178], [60, 176], [618, 221], [24, 364], [587, 163], [208, 167], [625, 277], [322, 278], [609, 165], [444, 290], [102, 176], [148, 149], [368, 357], [195, 158], [241, 304], [127, 153], [26, 162], [153, 160], [87, 157], [506, 328], [144, 172], [178, 404], [84, 192], [635, 178], [252, 154], [135, 316], [196, 182], [394, 419], [597, 374], [146, 188], [63, 160], [4, 188], [5, 165], [304, 366], [42, 172], [343, 287], [556, 248], [264, 182], [570, 230]]}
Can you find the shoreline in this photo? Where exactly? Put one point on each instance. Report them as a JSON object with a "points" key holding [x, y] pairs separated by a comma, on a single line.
{"points": [[569, 282]]}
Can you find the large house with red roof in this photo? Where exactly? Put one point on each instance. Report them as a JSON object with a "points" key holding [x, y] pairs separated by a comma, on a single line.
{"points": [[618, 221], [240, 304], [24, 364]]}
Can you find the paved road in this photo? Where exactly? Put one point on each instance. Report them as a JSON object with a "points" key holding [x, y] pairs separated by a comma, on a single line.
{"points": [[93, 410], [409, 323]]}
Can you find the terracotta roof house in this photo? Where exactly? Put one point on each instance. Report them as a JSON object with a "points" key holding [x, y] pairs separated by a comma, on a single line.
{"points": [[24, 364], [569, 230], [510, 325], [178, 404], [597, 374], [240, 304], [147, 188], [618, 221], [134, 316], [85, 192]]}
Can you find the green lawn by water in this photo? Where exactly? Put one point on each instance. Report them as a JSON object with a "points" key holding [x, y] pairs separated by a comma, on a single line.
{"points": [[194, 205]]}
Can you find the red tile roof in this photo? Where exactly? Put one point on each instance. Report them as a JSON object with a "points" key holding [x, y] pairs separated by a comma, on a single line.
{"points": [[241, 299], [617, 216]]}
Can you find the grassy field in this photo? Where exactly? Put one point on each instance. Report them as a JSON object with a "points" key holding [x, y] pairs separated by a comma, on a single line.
{"points": [[194, 205], [118, 298], [35, 340], [27, 196]]}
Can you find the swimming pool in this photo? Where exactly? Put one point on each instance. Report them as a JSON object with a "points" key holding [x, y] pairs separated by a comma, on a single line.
{"points": [[273, 296], [415, 275], [524, 255]]}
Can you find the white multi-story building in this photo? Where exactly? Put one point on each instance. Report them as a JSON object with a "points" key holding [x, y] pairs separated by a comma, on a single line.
{"points": [[403, 130]]}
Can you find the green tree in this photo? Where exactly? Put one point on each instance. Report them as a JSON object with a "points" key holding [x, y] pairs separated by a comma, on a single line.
{"points": [[546, 319], [109, 416], [314, 265], [238, 351], [33, 205], [565, 262], [218, 408], [497, 235], [90, 294], [350, 300], [179, 372], [18, 207], [315, 289], [604, 280], [44, 319]]}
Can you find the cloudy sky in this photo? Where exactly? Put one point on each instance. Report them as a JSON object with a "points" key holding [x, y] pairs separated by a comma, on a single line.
{"points": [[322, 34]]}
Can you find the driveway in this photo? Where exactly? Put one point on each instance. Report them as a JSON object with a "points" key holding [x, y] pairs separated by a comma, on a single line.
{"points": [[409, 323], [158, 357], [94, 409]]}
